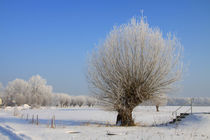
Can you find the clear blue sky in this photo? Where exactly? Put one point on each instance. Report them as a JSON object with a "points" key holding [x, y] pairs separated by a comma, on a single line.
{"points": [[53, 38]]}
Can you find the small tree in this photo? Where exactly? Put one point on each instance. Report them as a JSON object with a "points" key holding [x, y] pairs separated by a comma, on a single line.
{"points": [[73, 101], [133, 65], [159, 100], [80, 100], [61, 99], [90, 101], [18, 91], [40, 92]]}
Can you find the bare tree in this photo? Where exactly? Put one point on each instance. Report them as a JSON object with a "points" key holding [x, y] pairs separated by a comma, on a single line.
{"points": [[34, 92], [159, 100], [80, 100], [90, 101], [133, 65], [73, 101], [18, 91], [61, 99], [40, 92]]}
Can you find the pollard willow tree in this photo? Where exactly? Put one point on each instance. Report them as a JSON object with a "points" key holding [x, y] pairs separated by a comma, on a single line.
{"points": [[134, 64]]}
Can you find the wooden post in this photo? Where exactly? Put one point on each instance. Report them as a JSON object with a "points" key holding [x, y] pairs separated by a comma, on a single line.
{"points": [[191, 102], [27, 118], [52, 126], [37, 120], [33, 119], [176, 119], [51, 123], [54, 121]]}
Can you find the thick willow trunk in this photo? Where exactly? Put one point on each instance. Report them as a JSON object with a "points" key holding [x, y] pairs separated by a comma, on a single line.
{"points": [[124, 118]]}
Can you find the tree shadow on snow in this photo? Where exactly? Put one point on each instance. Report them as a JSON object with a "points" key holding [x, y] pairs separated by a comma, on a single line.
{"points": [[48, 122]]}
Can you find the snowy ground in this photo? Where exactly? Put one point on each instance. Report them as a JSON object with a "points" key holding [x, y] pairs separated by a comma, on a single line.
{"points": [[94, 123]]}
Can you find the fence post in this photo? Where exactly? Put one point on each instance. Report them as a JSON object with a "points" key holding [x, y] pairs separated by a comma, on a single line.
{"points": [[27, 118], [37, 120], [33, 119], [54, 121], [191, 102]]}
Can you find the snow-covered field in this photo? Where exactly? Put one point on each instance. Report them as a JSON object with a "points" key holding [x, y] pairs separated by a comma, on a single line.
{"points": [[94, 123]]}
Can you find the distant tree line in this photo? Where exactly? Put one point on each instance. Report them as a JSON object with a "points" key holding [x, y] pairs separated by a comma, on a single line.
{"points": [[177, 101], [197, 101], [65, 100], [36, 92]]}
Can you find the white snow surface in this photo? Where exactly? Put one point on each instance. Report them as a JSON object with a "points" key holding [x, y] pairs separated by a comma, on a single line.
{"points": [[95, 123]]}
